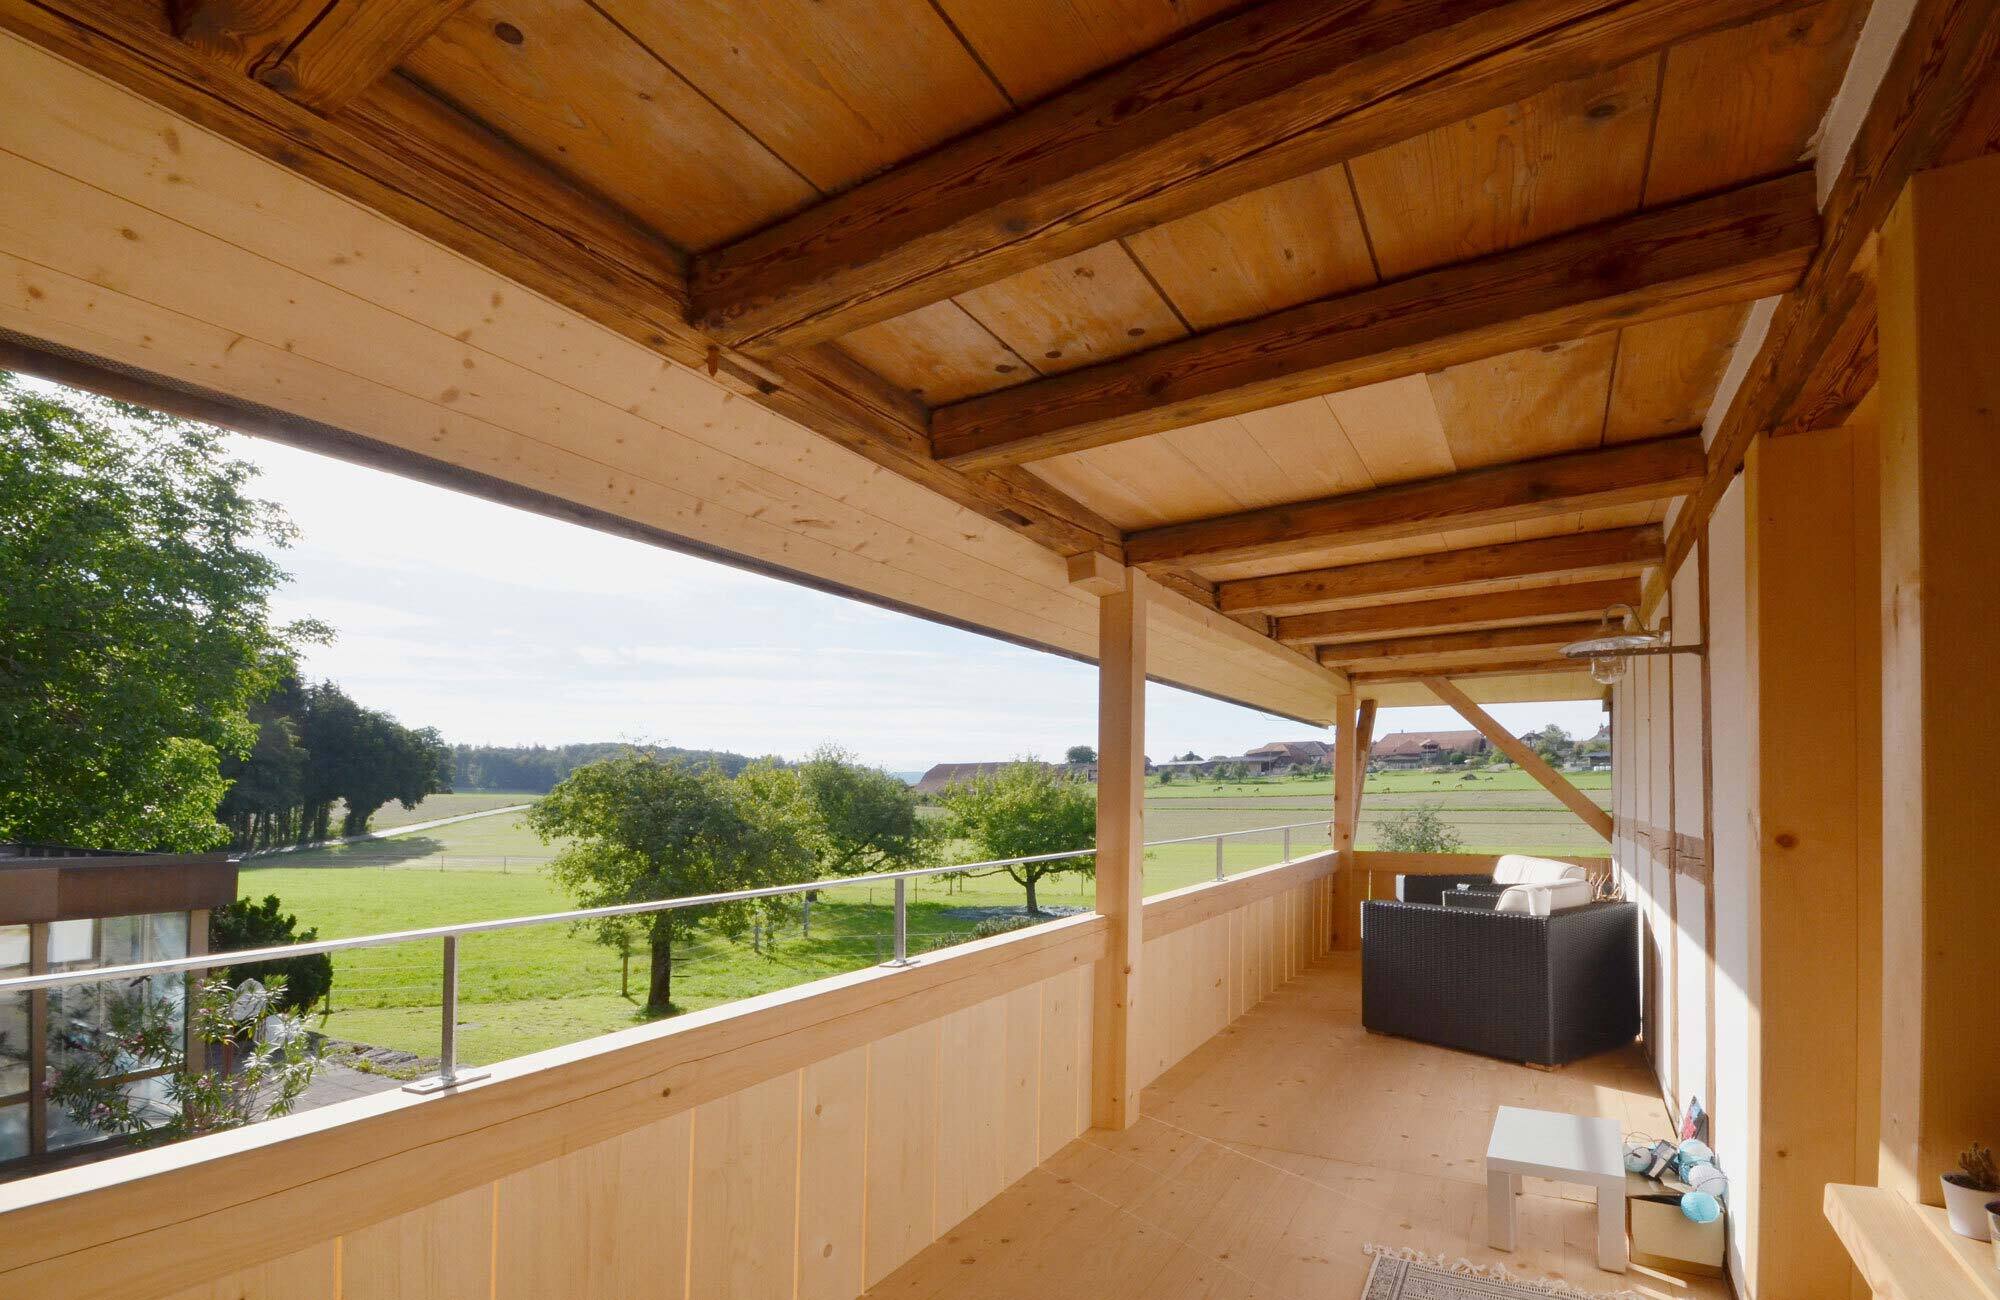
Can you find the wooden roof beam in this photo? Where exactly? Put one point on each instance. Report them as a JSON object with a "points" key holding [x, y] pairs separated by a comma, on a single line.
{"points": [[318, 54], [1362, 682], [1607, 553], [1735, 246], [1247, 101], [1499, 494], [1535, 641], [1565, 603]]}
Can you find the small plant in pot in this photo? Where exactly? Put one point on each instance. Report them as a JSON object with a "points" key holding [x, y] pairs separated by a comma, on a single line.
{"points": [[1966, 1192]]}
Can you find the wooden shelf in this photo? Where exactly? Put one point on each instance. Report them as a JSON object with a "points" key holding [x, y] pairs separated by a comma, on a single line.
{"points": [[1909, 1252]]}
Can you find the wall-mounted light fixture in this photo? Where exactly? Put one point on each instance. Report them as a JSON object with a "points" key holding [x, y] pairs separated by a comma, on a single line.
{"points": [[1621, 636]]}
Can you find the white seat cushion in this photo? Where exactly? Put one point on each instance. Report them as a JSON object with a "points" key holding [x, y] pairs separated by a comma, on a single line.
{"points": [[1540, 900], [1520, 869]]}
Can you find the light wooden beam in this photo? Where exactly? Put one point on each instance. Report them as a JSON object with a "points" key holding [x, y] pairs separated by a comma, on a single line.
{"points": [[1609, 553], [1536, 641], [1116, 1073], [1500, 494], [1937, 103], [1564, 603], [1731, 247], [1250, 100], [317, 53], [1535, 669], [1940, 622], [1347, 885], [1364, 736], [1527, 759], [403, 153]]}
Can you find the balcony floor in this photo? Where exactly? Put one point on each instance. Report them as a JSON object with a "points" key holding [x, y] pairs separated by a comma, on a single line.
{"points": [[1269, 1156]]}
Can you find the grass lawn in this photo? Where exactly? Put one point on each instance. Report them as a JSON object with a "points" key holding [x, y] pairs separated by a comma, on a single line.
{"points": [[524, 990], [391, 815]]}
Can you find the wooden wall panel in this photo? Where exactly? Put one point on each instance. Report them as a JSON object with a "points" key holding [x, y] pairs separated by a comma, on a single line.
{"points": [[308, 1275], [441, 1252], [745, 1191], [972, 1084], [1064, 1105], [833, 1145], [902, 1148], [1020, 1098]]}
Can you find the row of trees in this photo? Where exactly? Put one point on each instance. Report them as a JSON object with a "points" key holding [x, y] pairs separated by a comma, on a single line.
{"points": [[316, 747], [535, 769], [640, 827]]}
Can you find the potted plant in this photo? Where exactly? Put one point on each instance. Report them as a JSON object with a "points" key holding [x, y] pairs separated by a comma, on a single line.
{"points": [[1967, 1191]]}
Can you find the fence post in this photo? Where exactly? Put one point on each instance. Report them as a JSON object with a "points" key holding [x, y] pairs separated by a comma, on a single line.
{"points": [[449, 1075], [1219, 872], [902, 957], [1288, 845]]}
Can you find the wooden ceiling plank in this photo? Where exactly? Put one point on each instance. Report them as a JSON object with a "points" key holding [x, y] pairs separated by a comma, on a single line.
{"points": [[1614, 551], [1735, 246], [1253, 99], [1535, 641], [401, 153], [1640, 471], [1938, 102], [1543, 604]]}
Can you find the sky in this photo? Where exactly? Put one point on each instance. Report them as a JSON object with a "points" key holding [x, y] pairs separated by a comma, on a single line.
{"points": [[498, 626]]}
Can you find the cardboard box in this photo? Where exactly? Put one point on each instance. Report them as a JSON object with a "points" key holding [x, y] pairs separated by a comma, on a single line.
{"points": [[1665, 1239]]}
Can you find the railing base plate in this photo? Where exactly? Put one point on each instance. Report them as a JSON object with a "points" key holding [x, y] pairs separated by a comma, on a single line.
{"points": [[437, 1083]]}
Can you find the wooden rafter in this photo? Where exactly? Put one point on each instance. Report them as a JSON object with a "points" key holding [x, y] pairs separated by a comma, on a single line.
{"points": [[1730, 247], [1938, 102], [1535, 489], [1529, 761], [320, 54], [1248, 101], [1567, 602], [1385, 677], [1532, 642], [407, 155], [1607, 553]]}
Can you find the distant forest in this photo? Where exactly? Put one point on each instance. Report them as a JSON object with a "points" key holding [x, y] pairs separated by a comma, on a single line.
{"points": [[535, 769]]}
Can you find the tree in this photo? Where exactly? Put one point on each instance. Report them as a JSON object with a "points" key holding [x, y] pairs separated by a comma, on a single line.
{"points": [[855, 819], [363, 758], [1553, 744], [261, 1063], [1189, 757], [1022, 810], [1422, 829], [134, 589], [1080, 754], [643, 830], [297, 983]]}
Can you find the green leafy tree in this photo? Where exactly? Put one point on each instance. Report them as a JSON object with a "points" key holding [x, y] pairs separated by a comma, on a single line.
{"points": [[1422, 829], [1553, 744], [259, 1063], [134, 590], [642, 830], [855, 819], [298, 983], [1022, 810], [1080, 754]]}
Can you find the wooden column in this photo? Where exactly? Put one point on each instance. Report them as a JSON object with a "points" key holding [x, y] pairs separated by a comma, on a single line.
{"points": [[1121, 837], [1811, 693], [1939, 317], [1347, 888], [1364, 736]]}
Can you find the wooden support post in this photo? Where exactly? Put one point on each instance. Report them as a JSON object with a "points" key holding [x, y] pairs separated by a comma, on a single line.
{"points": [[1810, 577], [1530, 762], [1364, 736], [1347, 889], [1939, 312], [1121, 852]]}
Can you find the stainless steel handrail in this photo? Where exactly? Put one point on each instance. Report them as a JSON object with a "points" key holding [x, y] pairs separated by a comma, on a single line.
{"points": [[448, 1074]]}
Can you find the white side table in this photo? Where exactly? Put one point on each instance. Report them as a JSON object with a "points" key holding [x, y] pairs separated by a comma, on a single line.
{"points": [[1568, 1149]]}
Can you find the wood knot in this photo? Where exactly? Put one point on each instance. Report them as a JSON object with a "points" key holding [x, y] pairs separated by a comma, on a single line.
{"points": [[1787, 840]]}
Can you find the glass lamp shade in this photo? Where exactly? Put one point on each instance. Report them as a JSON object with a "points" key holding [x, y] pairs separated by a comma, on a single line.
{"points": [[1608, 670]]}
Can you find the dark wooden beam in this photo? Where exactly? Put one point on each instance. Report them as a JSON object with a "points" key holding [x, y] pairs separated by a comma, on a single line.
{"points": [[1535, 489], [1612, 551], [1247, 101], [403, 153], [321, 53], [1566, 603], [1535, 641], [1938, 102], [1731, 247]]}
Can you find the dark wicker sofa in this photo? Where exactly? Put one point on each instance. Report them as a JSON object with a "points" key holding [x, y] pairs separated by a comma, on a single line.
{"points": [[1546, 990]]}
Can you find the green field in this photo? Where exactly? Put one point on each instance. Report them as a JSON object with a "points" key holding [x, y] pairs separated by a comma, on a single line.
{"points": [[438, 806], [523, 990]]}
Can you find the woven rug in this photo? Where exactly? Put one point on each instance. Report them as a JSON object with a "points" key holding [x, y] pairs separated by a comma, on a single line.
{"points": [[1405, 1274]]}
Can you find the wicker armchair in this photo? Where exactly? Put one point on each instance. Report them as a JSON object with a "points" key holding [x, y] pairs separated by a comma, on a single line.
{"points": [[1546, 990]]}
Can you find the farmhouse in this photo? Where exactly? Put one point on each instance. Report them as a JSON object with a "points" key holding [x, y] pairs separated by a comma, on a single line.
{"points": [[1317, 356], [1406, 749]]}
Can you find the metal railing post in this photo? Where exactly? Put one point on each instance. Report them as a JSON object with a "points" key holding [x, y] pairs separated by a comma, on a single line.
{"points": [[1288, 845], [448, 1075], [902, 957], [1219, 873]]}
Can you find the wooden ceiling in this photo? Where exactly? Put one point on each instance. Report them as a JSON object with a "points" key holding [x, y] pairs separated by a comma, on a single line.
{"points": [[1385, 326]]}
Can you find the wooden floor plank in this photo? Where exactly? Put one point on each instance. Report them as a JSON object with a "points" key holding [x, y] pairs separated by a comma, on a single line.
{"points": [[1271, 1154]]}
